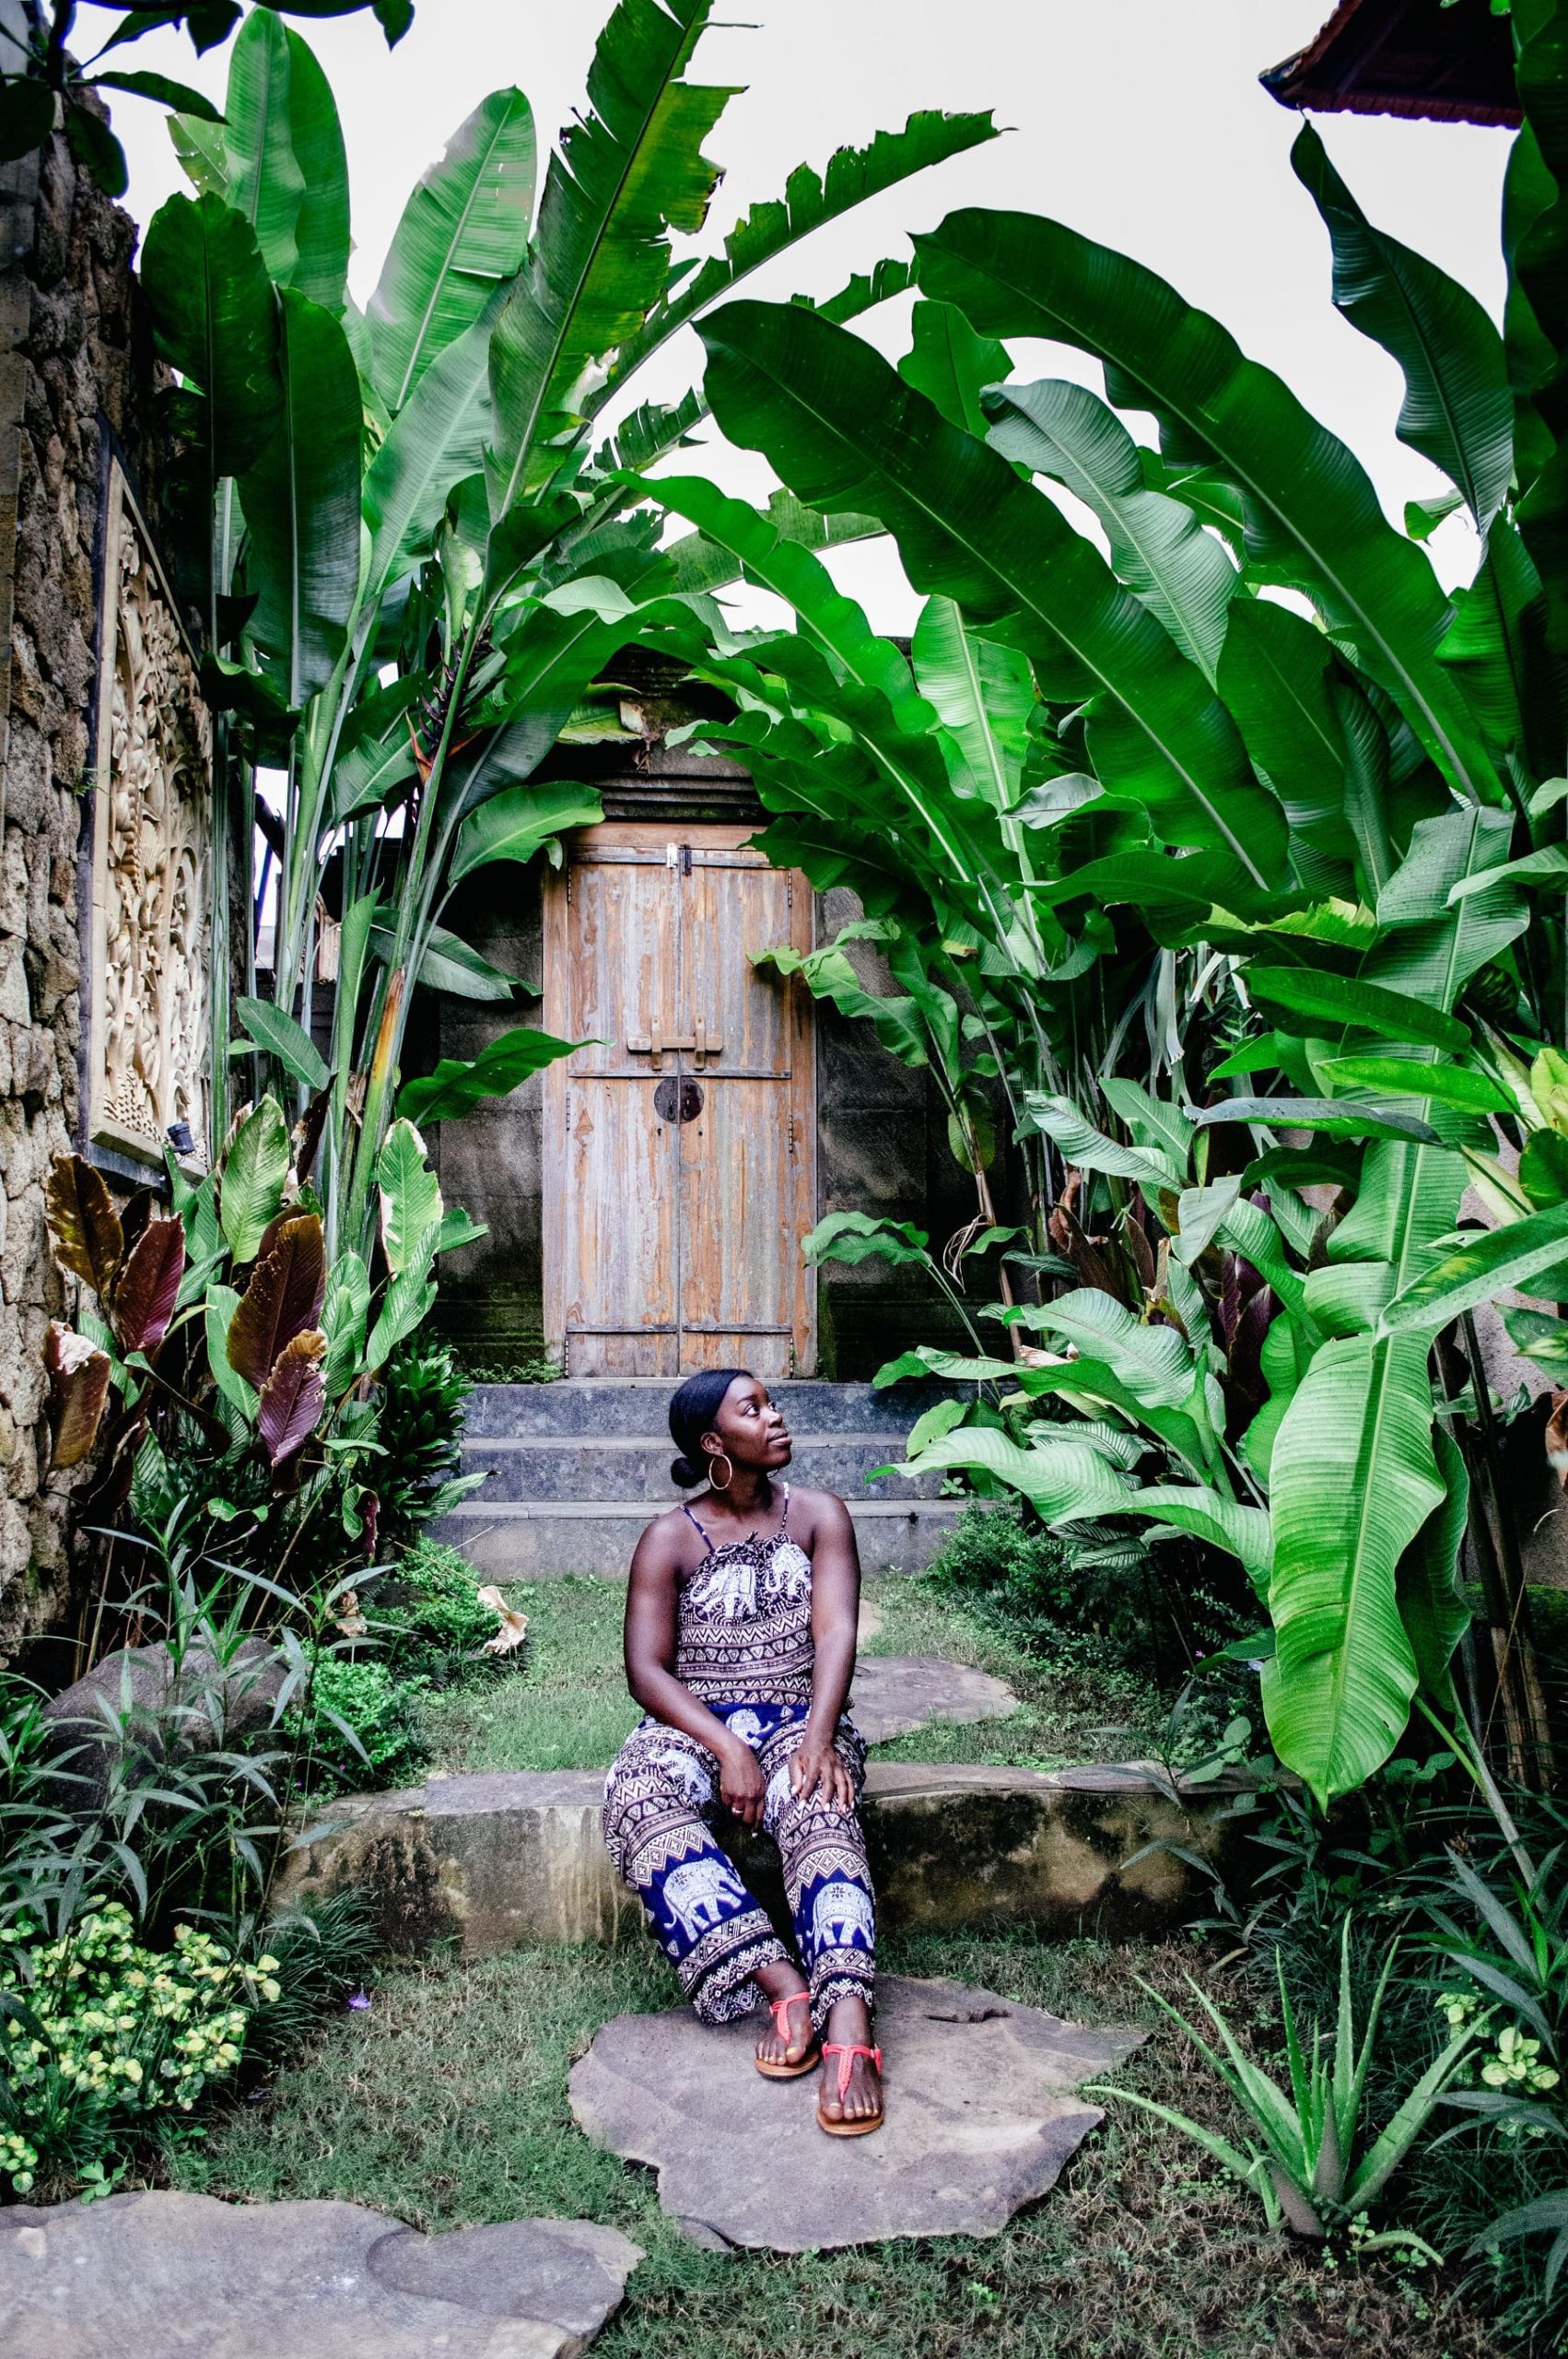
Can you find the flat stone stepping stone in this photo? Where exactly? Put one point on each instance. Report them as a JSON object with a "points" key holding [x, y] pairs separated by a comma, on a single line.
{"points": [[894, 1694], [981, 2115], [160, 2276]]}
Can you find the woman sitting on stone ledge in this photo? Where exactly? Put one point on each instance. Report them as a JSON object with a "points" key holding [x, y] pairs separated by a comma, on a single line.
{"points": [[739, 1646]]}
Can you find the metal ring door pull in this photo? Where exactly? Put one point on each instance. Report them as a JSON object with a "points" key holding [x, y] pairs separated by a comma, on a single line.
{"points": [[678, 1101]]}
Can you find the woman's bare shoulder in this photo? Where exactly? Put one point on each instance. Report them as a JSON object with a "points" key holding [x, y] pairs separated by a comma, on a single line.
{"points": [[820, 1512], [668, 1544]]}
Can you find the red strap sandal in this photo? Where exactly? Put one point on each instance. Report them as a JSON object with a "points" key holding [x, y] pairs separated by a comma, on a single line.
{"points": [[846, 2054], [784, 2069]]}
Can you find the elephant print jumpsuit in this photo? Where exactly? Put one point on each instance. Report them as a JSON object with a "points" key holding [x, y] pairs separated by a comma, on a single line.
{"points": [[743, 1648]]}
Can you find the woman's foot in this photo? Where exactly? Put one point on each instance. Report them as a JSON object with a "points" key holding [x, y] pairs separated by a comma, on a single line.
{"points": [[789, 2045], [856, 2105]]}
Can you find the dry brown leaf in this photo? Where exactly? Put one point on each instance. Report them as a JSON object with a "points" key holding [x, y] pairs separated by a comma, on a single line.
{"points": [[1557, 1437], [514, 1625], [348, 1617]]}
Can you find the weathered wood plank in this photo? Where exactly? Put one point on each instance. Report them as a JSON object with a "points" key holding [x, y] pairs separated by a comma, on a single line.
{"points": [[672, 1245]]}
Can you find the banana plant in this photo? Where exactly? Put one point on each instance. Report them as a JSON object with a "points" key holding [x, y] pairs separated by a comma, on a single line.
{"points": [[1352, 812], [39, 76], [421, 532]]}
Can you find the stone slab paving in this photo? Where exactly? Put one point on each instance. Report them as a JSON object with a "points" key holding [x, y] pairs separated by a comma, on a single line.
{"points": [[982, 2113], [164, 2276], [894, 1694]]}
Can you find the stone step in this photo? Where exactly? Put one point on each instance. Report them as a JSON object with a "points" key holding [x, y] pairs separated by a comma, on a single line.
{"points": [[146, 2275], [598, 1407], [531, 1540], [617, 1466], [983, 2110], [519, 1856]]}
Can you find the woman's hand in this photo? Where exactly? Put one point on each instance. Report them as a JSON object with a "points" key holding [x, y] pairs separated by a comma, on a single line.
{"points": [[742, 1787], [816, 1772]]}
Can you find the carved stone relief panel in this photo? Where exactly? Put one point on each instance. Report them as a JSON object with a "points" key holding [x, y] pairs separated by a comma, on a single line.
{"points": [[152, 881]]}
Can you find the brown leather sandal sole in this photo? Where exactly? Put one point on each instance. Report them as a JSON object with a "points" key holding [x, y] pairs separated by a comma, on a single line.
{"points": [[863, 2127], [808, 2063]]}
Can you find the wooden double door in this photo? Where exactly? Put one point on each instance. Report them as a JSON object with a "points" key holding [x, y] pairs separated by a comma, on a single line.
{"points": [[679, 1140]]}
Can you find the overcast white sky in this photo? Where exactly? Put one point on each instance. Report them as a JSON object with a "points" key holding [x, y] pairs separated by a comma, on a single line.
{"points": [[1139, 122]]}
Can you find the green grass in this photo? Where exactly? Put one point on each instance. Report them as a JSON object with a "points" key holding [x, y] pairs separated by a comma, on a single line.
{"points": [[566, 1707], [563, 1706], [446, 2103]]}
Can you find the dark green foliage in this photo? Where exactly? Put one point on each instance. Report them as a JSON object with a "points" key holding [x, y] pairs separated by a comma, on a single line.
{"points": [[420, 1429], [1044, 1595], [324, 1948], [360, 1729], [428, 1621]]}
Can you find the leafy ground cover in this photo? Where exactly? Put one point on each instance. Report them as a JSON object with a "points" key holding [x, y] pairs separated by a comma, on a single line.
{"points": [[446, 2103], [567, 1708]]}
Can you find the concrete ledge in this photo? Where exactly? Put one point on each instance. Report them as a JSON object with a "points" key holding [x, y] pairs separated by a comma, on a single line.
{"points": [[516, 1540], [517, 1856]]}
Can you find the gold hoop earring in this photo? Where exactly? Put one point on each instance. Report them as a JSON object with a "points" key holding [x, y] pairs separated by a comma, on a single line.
{"points": [[713, 1482]]}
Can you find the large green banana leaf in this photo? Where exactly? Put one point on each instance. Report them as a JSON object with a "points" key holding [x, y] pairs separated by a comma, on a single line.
{"points": [[843, 431], [1069, 1481], [908, 780], [1458, 411], [1314, 520], [301, 503], [1352, 1479], [1273, 677], [982, 691], [437, 439], [809, 199], [283, 160], [215, 321], [624, 175], [1153, 1168], [1158, 546], [1497, 648], [265, 183], [777, 560], [320, 226], [1155, 1363], [1431, 1601], [515, 824], [463, 233], [1353, 1476], [953, 366], [1499, 1261], [827, 974]]}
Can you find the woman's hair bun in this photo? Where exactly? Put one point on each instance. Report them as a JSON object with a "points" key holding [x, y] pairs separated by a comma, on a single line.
{"points": [[692, 1413]]}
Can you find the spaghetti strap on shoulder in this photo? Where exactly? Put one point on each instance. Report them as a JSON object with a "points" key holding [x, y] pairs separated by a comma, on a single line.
{"points": [[698, 1527]]}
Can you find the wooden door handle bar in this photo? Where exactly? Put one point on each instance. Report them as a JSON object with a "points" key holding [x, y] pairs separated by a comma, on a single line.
{"points": [[698, 1041]]}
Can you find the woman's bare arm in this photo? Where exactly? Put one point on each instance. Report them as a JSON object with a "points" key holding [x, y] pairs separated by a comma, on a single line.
{"points": [[815, 1767], [649, 1648]]}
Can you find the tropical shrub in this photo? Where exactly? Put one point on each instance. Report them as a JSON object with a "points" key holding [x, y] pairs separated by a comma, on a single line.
{"points": [[48, 74], [1313, 2163], [262, 1385], [430, 1621], [359, 1727], [414, 535], [419, 1429], [1130, 793], [102, 2036], [1019, 1571]]}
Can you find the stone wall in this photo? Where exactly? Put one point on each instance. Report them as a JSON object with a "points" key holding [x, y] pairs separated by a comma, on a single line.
{"points": [[75, 365]]}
